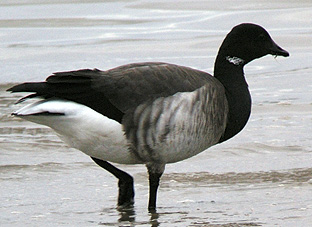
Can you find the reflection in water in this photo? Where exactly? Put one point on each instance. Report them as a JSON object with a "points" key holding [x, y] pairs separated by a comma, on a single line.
{"points": [[154, 219], [127, 214]]}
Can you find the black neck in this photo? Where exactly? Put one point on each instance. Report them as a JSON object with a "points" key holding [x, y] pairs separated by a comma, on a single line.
{"points": [[231, 75], [228, 73]]}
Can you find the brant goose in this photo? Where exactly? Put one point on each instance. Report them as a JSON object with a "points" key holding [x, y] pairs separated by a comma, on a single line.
{"points": [[150, 113]]}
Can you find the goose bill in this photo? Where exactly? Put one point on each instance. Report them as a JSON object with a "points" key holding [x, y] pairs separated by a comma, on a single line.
{"points": [[276, 50]]}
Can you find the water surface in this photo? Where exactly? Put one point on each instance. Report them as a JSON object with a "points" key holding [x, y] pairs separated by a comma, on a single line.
{"points": [[261, 177]]}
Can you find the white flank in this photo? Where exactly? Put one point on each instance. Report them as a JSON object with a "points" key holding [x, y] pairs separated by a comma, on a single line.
{"points": [[82, 128]]}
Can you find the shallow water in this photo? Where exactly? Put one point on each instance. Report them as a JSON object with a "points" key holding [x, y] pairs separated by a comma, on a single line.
{"points": [[262, 177]]}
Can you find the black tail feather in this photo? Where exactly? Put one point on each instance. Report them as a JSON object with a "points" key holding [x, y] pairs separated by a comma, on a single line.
{"points": [[28, 87], [26, 97], [77, 86]]}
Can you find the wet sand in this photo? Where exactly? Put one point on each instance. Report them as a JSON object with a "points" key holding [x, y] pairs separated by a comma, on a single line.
{"points": [[261, 177]]}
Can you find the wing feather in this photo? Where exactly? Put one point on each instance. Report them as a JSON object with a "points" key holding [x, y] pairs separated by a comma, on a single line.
{"points": [[116, 91]]}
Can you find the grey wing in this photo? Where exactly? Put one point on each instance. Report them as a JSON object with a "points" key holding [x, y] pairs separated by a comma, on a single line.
{"points": [[131, 85], [117, 91]]}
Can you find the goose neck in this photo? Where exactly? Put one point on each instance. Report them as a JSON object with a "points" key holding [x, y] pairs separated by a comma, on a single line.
{"points": [[229, 70]]}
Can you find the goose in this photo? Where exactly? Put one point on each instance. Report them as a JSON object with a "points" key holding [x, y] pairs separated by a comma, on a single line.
{"points": [[150, 113]]}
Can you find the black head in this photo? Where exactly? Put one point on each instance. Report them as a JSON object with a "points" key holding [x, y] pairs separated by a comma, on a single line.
{"points": [[248, 42]]}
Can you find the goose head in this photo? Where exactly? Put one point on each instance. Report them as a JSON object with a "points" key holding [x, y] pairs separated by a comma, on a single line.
{"points": [[246, 42]]}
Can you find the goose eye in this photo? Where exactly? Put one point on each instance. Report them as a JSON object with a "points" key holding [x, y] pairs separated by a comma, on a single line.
{"points": [[261, 37]]}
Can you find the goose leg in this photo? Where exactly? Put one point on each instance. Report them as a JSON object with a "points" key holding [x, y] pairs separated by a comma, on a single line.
{"points": [[125, 183], [154, 172]]}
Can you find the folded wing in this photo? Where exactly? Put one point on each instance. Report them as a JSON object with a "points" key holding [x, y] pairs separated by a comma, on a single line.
{"points": [[116, 91]]}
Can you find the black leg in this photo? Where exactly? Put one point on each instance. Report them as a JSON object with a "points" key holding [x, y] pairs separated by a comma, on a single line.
{"points": [[154, 171], [125, 183]]}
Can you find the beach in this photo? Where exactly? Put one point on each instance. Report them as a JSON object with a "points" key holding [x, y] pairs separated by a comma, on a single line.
{"points": [[261, 177]]}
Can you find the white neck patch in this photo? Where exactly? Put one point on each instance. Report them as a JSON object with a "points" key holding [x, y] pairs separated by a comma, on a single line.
{"points": [[235, 60]]}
